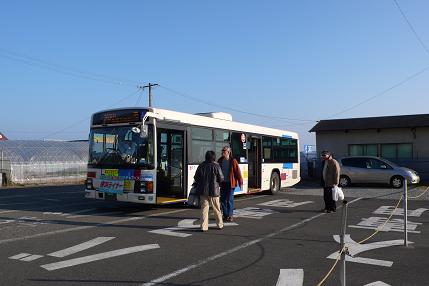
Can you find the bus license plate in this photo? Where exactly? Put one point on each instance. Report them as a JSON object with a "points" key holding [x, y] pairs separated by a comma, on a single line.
{"points": [[110, 197]]}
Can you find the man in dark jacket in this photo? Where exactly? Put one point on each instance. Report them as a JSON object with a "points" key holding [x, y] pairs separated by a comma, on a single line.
{"points": [[207, 179], [331, 178]]}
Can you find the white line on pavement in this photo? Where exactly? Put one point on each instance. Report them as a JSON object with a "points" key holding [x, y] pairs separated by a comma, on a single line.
{"points": [[96, 214], [9, 211], [80, 247], [31, 257], [290, 277], [100, 256], [3, 241], [19, 256], [232, 250], [43, 194]]}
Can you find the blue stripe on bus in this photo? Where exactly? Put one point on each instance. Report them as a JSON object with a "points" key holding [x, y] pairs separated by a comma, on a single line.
{"points": [[286, 136], [287, 165]]}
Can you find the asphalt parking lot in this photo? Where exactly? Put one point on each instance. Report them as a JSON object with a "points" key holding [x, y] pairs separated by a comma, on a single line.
{"points": [[54, 236]]}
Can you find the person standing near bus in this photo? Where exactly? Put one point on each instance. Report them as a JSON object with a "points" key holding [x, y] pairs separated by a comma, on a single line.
{"points": [[331, 178], [232, 174], [208, 178]]}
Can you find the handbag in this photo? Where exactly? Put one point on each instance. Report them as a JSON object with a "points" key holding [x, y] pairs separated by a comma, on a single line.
{"points": [[193, 198], [337, 193]]}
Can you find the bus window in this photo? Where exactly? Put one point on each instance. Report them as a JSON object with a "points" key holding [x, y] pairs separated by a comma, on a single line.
{"points": [[202, 141], [239, 146], [267, 143], [221, 139]]}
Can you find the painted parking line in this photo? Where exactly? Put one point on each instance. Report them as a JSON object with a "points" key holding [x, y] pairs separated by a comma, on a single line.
{"points": [[202, 262], [80, 247], [113, 222], [43, 194], [100, 256], [290, 277]]}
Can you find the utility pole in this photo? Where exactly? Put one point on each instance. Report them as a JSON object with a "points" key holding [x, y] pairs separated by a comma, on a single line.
{"points": [[150, 91]]}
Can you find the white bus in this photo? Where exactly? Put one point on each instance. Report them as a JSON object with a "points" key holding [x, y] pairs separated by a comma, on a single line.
{"points": [[150, 155]]}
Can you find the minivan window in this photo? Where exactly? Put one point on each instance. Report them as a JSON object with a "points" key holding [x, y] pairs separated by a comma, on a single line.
{"points": [[354, 162], [377, 164]]}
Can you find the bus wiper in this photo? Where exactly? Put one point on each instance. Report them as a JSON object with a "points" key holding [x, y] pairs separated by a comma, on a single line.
{"points": [[108, 152]]}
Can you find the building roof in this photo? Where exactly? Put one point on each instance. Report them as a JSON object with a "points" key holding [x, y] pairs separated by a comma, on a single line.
{"points": [[384, 122]]}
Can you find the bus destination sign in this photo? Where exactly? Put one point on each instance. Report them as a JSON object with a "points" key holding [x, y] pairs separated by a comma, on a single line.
{"points": [[118, 116]]}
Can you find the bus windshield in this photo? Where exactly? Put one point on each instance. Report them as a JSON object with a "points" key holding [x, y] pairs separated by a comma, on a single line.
{"points": [[120, 147]]}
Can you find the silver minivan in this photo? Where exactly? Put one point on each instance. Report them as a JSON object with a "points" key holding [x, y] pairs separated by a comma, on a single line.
{"points": [[368, 169]]}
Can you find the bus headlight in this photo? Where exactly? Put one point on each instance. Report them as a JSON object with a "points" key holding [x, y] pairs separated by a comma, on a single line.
{"points": [[146, 187], [88, 183]]}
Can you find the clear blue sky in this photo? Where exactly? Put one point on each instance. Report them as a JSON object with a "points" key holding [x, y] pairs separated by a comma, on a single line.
{"points": [[60, 61]]}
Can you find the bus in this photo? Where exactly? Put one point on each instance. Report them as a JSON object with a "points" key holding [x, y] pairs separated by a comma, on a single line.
{"points": [[150, 155]]}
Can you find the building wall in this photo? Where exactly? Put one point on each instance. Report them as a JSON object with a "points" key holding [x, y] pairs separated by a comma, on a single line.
{"points": [[337, 142]]}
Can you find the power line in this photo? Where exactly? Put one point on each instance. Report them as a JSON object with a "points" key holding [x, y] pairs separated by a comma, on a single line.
{"points": [[233, 109], [88, 117], [411, 27], [35, 62], [381, 93]]}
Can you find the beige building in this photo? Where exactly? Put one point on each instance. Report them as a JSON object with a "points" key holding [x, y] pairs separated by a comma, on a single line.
{"points": [[402, 139]]}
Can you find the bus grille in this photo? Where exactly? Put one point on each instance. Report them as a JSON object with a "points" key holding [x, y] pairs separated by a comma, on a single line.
{"points": [[294, 174]]}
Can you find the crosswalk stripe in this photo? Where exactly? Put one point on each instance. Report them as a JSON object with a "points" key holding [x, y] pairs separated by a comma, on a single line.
{"points": [[80, 247]]}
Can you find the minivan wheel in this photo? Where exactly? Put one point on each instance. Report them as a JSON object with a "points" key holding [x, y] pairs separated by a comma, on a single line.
{"points": [[396, 182], [344, 181], [274, 183]]}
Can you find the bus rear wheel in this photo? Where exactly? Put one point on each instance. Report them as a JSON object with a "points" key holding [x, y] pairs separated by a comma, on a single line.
{"points": [[274, 183]]}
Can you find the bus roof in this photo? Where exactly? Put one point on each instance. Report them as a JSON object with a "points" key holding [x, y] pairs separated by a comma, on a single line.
{"points": [[204, 120]]}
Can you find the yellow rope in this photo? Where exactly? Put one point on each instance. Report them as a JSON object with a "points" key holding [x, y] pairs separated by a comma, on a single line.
{"points": [[380, 228], [332, 268], [369, 237], [419, 195]]}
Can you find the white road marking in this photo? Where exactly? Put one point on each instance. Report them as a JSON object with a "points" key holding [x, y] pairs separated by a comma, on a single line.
{"points": [[378, 283], [39, 195], [171, 231], [3, 241], [354, 248], [284, 203], [388, 210], [290, 277], [96, 214], [46, 208], [251, 198], [252, 212], [80, 247], [19, 256], [9, 211], [99, 256], [391, 225], [185, 224], [202, 262], [31, 257], [82, 211]]}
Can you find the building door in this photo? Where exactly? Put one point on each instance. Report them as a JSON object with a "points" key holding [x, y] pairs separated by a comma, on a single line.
{"points": [[170, 175], [254, 160]]}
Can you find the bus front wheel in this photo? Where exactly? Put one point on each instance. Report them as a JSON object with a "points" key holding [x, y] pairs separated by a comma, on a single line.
{"points": [[274, 183]]}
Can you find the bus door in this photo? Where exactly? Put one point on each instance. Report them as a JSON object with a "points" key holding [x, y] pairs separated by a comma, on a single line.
{"points": [[254, 160], [170, 174]]}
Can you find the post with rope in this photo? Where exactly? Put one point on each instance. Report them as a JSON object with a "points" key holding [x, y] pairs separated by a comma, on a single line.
{"points": [[405, 213], [342, 245]]}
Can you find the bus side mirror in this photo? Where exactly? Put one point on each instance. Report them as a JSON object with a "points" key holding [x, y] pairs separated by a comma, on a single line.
{"points": [[144, 131]]}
